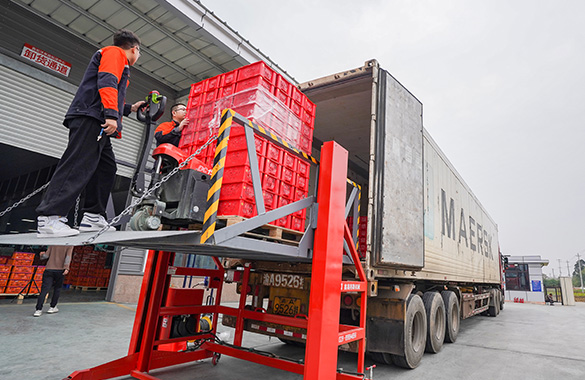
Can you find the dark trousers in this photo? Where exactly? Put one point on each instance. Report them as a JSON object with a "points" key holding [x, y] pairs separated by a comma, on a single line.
{"points": [[86, 164], [51, 278]]}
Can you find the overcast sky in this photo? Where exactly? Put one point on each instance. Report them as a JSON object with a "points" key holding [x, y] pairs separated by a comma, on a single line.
{"points": [[502, 85]]}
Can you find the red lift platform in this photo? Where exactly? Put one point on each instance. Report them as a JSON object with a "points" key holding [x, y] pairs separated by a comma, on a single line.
{"points": [[324, 332]]}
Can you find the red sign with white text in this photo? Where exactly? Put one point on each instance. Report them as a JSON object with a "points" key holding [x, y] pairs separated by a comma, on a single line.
{"points": [[43, 58]]}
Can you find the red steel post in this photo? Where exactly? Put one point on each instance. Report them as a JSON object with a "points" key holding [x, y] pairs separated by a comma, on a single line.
{"points": [[324, 303]]}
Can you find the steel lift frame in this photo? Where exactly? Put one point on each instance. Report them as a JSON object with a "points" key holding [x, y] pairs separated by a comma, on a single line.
{"points": [[332, 237]]}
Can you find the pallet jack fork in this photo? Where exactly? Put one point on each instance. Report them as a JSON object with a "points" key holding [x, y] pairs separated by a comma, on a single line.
{"points": [[324, 333]]}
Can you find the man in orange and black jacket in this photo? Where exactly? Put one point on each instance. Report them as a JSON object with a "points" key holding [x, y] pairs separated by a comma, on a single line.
{"points": [[170, 131], [95, 115]]}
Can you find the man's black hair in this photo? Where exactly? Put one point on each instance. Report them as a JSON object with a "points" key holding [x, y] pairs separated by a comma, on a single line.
{"points": [[174, 107], [126, 39]]}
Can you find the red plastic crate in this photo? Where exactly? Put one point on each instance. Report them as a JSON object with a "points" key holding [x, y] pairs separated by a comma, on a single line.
{"points": [[17, 283], [254, 83], [237, 174], [270, 200], [297, 96], [283, 97], [283, 85], [305, 145], [234, 191], [227, 91], [296, 108], [303, 168], [21, 262], [274, 152], [23, 269], [4, 275], [230, 78], [3, 283], [210, 96], [12, 290], [256, 69], [213, 83], [289, 161], [5, 268], [289, 176], [270, 183], [21, 276], [297, 224], [237, 207], [23, 255], [272, 168], [309, 106], [286, 191], [302, 183]]}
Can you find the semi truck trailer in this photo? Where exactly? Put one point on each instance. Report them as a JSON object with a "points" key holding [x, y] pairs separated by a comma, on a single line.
{"points": [[429, 248]]}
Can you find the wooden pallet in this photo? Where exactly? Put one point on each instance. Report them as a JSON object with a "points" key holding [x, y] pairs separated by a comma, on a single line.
{"points": [[89, 288], [267, 231]]}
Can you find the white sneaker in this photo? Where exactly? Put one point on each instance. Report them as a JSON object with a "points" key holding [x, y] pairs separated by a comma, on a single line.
{"points": [[54, 226], [94, 222], [52, 310], [38, 313]]}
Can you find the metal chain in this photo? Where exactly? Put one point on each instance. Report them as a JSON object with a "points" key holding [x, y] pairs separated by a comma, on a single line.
{"points": [[150, 191], [24, 199], [76, 214]]}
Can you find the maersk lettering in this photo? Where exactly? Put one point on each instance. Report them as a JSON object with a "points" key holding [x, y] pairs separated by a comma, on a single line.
{"points": [[476, 237], [448, 215]]}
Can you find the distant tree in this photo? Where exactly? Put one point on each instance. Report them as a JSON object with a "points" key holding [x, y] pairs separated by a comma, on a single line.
{"points": [[549, 282], [576, 279]]}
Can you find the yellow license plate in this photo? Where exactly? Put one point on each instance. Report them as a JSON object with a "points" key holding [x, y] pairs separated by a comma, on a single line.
{"points": [[286, 306]]}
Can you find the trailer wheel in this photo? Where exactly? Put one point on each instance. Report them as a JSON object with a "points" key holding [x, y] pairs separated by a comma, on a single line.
{"points": [[452, 316], [494, 309], [415, 333], [381, 357], [501, 301], [435, 308]]}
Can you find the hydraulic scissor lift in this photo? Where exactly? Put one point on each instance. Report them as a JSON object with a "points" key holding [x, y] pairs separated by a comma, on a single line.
{"points": [[324, 332]]}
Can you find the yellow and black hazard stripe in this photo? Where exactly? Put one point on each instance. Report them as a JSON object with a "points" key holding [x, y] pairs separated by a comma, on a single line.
{"points": [[245, 122], [354, 184], [210, 217]]}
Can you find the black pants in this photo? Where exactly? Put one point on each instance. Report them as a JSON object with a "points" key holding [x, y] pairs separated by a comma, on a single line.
{"points": [[86, 164], [51, 278]]}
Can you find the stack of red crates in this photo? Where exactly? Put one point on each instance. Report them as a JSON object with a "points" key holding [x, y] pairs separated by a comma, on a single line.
{"points": [[362, 234], [88, 268], [17, 272], [260, 94]]}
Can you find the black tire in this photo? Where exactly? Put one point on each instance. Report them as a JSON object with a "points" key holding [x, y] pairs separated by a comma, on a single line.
{"points": [[494, 308], [452, 314], [381, 357], [436, 325], [415, 334], [502, 301]]}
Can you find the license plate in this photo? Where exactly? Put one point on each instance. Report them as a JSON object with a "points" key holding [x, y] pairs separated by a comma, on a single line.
{"points": [[283, 280], [286, 306]]}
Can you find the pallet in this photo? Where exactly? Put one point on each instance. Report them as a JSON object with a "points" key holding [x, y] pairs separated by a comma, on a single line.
{"points": [[89, 288], [267, 231]]}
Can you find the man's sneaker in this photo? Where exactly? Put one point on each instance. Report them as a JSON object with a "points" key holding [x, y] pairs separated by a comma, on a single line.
{"points": [[52, 310], [94, 222], [38, 313], [54, 226]]}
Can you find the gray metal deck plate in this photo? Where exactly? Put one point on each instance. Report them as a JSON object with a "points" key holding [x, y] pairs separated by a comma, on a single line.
{"points": [[174, 241]]}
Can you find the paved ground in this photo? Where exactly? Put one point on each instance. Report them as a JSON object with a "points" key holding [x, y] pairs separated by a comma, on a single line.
{"points": [[524, 342]]}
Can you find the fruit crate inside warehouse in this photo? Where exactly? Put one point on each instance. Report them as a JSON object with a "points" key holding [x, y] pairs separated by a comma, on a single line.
{"points": [[263, 96], [18, 275], [89, 268]]}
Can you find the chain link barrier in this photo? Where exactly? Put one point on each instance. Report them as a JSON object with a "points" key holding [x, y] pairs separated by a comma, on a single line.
{"points": [[24, 199], [151, 190], [76, 214]]}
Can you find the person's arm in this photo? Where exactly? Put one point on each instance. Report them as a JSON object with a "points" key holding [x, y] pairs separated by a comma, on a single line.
{"points": [[45, 255], [110, 71], [166, 132], [67, 261], [129, 108]]}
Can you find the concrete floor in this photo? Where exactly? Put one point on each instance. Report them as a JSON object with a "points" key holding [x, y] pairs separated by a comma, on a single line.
{"points": [[525, 341]]}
